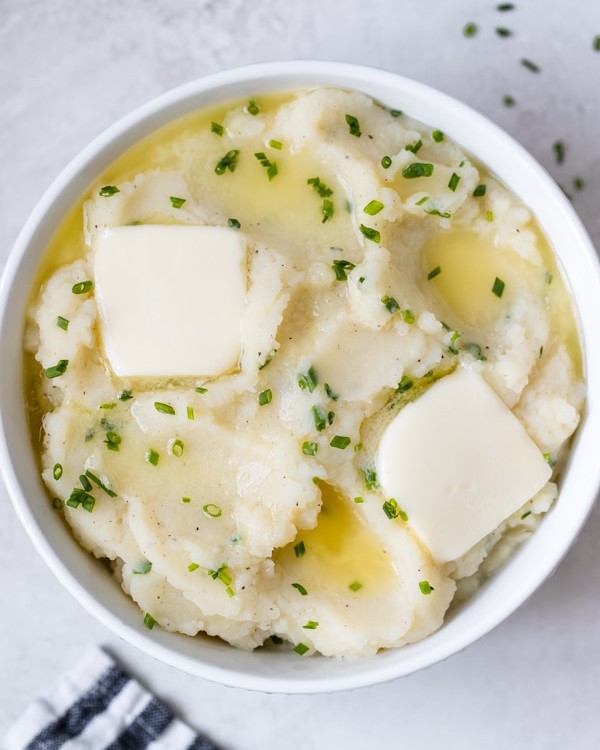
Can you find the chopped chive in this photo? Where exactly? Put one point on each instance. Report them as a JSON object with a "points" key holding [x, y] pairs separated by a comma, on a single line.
{"points": [[437, 136], [508, 100], [190, 413], [340, 441], [476, 352], [549, 460], [85, 483], [373, 207], [108, 190], [414, 147], [200, 389], [320, 187], [548, 276], [186, 500], [333, 396], [422, 200], [434, 272], [100, 484], [395, 112], [108, 406], [596, 43], [152, 457], [58, 503], [505, 6], [299, 549], [124, 395], [340, 267], [355, 586], [81, 497], [57, 472], [319, 417], [265, 397], [149, 621], [371, 480], [300, 648], [330, 417], [299, 587], [82, 287], [177, 202], [404, 385], [479, 191], [454, 180], [192, 567], [233, 223], [310, 449], [353, 126], [433, 211], [311, 625], [164, 408], [370, 233], [498, 287], [59, 369], [359, 500], [470, 29], [144, 567], [393, 510], [489, 216], [426, 587], [177, 448], [269, 165], [524, 516], [559, 151], [217, 128], [62, 323], [503, 32], [327, 210], [578, 183], [276, 144], [252, 108], [309, 380], [530, 65], [417, 169], [390, 304], [408, 316], [227, 162], [386, 162]]}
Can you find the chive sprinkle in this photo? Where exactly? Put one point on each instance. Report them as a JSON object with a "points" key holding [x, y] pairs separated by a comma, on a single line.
{"points": [[299, 587], [319, 418], [489, 216], [276, 144], [186, 500], [453, 183], [310, 449], [505, 7], [62, 323], [164, 408], [393, 510], [311, 625], [177, 448], [269, 165], [340, 267], [437, 136], [192, 567], [596, 43], [434, 272], [190, 413], [327, 210], [371, 480], [426, 587], [404, 385], [320, 187], [530, 65], [100, 484], [108, 190], [125, 395], [524, 516], [299, 549], [217, 128], [227, 162], [82, 287], [470, 29], [373, 207], [308, 380], [359, 500], [58, 503], [57, 472], [85, 483], [417, 169], [212, 510], [144, 567], [503, 32], [390, 304], [58, 369], [333, 396], [200, 389], [340, 441], [479, 191], [408, 316], [498, 287], [149, 621], [371, 234], [559, 151], [152, 457], [300, 649], [177, 202], [355, 586], [386, 162], [233, 223], [353, 126], [395, 112], [508, 101], [252, 108], [112, 441], [265, 397]]}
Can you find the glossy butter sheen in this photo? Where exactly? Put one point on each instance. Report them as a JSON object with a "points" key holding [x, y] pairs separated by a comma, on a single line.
{"points": [[171, 299], [459, 463]]}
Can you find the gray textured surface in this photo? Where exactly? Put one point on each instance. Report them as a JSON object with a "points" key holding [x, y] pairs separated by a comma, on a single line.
{"points": [[67, 70]]}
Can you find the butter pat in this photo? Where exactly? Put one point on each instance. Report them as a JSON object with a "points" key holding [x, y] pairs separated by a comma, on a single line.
{"points": [[171, 299], [459, 463]]}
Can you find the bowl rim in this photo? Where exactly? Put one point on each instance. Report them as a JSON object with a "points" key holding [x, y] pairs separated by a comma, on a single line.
{"points": [[289, 75]]}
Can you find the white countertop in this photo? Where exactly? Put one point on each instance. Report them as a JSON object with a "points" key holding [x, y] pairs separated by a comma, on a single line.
{"points": [[68, 68]]}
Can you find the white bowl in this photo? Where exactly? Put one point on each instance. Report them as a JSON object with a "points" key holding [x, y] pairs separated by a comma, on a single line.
{"points": [[275, 671]]}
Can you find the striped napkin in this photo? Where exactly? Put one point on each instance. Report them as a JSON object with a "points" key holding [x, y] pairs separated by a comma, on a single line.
{"points": [[97, 706]]}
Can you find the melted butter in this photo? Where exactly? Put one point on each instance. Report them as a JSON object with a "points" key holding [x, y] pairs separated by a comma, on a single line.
{"points": [[340, 550]]}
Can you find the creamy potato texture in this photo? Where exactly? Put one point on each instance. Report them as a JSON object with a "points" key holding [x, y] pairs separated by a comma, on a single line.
{"points": [[380, 259]]}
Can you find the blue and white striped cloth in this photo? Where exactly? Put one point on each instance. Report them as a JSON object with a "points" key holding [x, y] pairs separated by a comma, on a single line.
{"points": [[97, 706]]}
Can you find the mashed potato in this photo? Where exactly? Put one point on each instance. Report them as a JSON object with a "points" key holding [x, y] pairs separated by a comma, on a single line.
{"points": [[373, 242]]}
